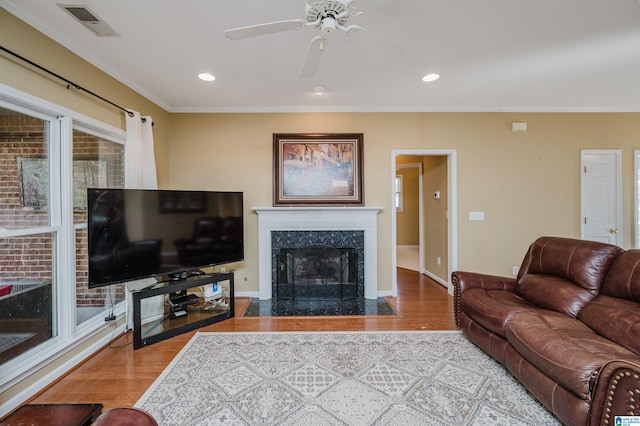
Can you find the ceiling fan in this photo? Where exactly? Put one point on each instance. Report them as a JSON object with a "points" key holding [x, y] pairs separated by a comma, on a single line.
{"points": [[327, 16]]}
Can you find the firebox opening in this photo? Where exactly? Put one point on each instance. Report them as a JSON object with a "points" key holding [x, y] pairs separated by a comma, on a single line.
{"points": [[317, 272]]}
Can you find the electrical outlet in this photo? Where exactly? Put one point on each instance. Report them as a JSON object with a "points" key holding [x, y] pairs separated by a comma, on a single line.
{"points": [[439, 261], [515, 271]]}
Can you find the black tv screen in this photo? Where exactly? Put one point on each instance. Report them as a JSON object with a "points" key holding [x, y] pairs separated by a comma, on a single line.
{"points": [[136, 233]]}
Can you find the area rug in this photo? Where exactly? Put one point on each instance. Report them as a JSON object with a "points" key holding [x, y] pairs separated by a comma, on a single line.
{"points": [[338, 378]]}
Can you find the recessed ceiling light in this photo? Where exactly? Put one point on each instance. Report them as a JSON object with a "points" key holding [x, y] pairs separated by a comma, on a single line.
{"points": [[430, 77], [206, 76], [318, 89]]}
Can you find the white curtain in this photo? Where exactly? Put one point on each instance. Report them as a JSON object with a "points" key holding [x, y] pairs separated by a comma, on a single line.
{"points": [[140, 161], [140, 173]]}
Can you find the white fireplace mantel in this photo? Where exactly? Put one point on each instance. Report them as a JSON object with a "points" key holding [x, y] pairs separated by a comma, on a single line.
{"points": [[318, 219]]}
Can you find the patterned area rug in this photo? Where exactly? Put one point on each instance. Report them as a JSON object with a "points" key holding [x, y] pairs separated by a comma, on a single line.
{"points": [[339, 378]]}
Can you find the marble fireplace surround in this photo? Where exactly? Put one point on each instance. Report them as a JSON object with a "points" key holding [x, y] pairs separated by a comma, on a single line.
{"points": [[318, 219]]}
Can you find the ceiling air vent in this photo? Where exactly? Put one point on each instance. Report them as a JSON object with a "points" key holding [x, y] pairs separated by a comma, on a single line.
{"points": [[89, 19]]}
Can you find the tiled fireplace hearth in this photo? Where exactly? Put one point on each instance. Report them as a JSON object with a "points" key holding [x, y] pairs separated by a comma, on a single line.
{"points": [[291, 227]]}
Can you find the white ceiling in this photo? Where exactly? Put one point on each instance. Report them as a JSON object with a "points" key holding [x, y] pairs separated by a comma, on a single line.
{"points": [[492, 55]]}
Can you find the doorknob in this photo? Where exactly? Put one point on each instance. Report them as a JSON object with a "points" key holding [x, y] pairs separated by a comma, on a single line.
{"points": [[613, 230]]}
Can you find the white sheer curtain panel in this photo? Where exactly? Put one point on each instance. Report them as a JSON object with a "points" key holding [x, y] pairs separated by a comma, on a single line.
{"points": [[140, 161]]}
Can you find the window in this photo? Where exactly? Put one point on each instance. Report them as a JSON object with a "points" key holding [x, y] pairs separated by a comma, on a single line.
{"points": [[399, 194], [97, 163], [28, 238], [48, 157]]}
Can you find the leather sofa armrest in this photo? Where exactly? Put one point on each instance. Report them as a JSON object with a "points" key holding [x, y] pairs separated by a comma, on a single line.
{"points": [[616, 393], [464, 280]]}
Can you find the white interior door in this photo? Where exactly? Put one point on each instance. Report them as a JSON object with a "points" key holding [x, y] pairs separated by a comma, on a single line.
{"points": [[601, 196]]}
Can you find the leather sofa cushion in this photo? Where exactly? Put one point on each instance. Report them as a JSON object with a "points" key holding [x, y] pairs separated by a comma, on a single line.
{"points": [[563, 274], [623, 279], [616, 319], [615, 313], [563, 348], [492, 308], [553, 292], [584, 263]]}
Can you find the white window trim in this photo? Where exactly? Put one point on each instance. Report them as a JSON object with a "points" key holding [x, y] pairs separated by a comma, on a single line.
{"points": [[62, 120]]}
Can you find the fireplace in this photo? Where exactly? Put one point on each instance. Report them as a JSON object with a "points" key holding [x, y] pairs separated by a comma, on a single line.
{"points": [[317, 265], [336, 227]]}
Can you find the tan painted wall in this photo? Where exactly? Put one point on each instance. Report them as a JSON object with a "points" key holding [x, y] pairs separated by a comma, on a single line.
{"points": [[234, 152], [526, 183], [435, 216]]}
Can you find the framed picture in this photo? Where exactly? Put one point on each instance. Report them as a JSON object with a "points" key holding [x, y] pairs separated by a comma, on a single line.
{"points": [[317, 169]]}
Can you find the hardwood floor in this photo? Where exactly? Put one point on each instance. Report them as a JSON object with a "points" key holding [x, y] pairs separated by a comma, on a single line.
{"points": [[118, 376]]}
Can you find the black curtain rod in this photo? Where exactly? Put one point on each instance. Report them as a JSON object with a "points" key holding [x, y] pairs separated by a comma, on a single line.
{"points": [[69, 82]]}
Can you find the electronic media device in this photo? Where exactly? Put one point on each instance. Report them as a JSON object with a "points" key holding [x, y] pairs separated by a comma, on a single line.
{"points": [[137, 233]]}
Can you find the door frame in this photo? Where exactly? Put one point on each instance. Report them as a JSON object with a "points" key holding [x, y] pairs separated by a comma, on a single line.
{"points": [[636, 198], [452, 213], [618, 195]]}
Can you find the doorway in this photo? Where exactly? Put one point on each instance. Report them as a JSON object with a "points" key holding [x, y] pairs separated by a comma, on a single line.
{"points": [[437, 226]]}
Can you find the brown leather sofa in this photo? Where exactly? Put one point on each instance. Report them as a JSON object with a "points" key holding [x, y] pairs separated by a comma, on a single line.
{"points": [[567, 327]]}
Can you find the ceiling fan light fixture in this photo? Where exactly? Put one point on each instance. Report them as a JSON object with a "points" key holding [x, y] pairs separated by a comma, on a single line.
{"points": [[318, 89], [206, 76], [430, 77]]}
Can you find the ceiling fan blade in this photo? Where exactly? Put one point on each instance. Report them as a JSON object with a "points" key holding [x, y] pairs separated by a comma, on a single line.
{"points": [[382, 48], [262, 29], [314, 54]]}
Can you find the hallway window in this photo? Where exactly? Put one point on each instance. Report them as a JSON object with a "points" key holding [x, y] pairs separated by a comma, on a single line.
{"points": [[399, 195]]}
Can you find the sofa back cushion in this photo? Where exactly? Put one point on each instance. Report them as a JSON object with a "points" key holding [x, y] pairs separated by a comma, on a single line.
{"points": [[623, 279], [564, 274], [615, 313]]}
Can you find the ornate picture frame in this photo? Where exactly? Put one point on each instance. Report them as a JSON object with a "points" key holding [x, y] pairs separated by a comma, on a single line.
{"points": [[312, 169]]}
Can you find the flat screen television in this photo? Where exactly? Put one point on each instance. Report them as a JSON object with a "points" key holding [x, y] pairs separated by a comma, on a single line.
{"points": [[137, 233]]}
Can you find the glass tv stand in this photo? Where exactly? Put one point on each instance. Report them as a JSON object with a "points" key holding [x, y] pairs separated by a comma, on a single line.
{"points": [[189, 303]]}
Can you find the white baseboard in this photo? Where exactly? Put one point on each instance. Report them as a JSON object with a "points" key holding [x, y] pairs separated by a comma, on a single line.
{"points": [[436, 278], [255, 294]]}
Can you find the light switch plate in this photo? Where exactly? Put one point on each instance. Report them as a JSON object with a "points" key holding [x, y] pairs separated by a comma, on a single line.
{"points": [[476, 215]]}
